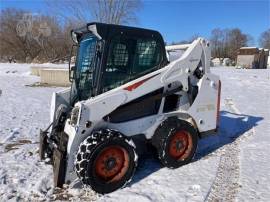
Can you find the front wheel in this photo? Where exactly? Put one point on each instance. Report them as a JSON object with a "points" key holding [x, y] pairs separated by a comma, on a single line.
{"points": [[106, 161], [176, 142]]}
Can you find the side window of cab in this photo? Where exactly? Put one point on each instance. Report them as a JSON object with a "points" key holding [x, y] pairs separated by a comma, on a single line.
{"points": [[147, 56], [130, 58]]}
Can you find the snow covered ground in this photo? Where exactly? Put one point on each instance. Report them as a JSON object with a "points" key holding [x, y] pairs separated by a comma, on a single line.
{"points": [[234, 165]]}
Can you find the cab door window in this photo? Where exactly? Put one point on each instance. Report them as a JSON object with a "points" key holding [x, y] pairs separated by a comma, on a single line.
{"points": [[130, 58], [117, 70], [147, 56]]}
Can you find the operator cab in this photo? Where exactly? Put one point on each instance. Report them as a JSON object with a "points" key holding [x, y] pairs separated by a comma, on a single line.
{"points": [[109, 56]]}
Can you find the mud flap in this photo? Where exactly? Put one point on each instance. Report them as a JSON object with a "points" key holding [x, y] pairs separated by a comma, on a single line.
{"points": [[59, 168]]}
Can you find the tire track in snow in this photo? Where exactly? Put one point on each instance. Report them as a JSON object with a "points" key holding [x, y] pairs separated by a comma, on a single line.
{"points": [[226, 183]]}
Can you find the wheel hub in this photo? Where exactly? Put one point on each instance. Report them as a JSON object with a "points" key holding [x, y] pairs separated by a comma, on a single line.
{"points": [[110, 163], [180, 145]]}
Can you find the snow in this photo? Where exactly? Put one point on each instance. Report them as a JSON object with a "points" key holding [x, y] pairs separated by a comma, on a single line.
{"points": [[233, 165]]}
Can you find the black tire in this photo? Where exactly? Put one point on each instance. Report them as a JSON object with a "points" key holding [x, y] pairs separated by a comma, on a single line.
{"points": [[173, 137], [114, 151]]}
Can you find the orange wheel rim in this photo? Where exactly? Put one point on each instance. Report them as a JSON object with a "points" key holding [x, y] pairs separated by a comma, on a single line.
{"points": [[180, 145], [112, 163]]}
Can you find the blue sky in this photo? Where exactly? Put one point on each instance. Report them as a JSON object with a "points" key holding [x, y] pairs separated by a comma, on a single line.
{"points": [[179, 20]]}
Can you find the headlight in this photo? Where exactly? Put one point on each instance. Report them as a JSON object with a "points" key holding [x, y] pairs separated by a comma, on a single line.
{"points": [[74, 116]]}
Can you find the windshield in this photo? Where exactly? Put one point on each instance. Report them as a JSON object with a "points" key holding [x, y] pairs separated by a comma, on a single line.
{"points": [[85, 66]]}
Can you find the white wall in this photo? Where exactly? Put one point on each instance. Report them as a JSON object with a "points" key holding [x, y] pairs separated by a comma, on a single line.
{"points": [[55, 77]]}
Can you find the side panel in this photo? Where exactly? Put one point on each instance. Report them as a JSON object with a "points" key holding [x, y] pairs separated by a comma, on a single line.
{"points": [[144, 126], [146, 105], [204, 109]]}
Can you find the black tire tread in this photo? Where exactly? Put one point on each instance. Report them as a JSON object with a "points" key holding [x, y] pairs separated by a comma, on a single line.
{"points": [[163, 132], [88, 146]]}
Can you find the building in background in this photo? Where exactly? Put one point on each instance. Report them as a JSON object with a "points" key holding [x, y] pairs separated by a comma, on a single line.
{"points": [[221, 62], [252, 58]]}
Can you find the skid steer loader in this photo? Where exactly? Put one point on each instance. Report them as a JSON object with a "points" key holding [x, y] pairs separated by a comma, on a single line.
{"points": [[126, 92]]}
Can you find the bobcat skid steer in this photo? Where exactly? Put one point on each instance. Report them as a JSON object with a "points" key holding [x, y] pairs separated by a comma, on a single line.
{"points": [[126, 93]]}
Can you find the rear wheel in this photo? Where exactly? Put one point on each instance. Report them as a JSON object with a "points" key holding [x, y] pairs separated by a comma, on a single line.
{"points": [[106, 161], [176, 142]]}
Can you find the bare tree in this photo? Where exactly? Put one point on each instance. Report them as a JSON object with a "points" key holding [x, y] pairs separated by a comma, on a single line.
{"points": [[219, 43], [116, 11], [26, 37], [236, 40], [12, 44], [226, 42], [264, 39], [8, 32], [107, 11], [43, 38]]}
